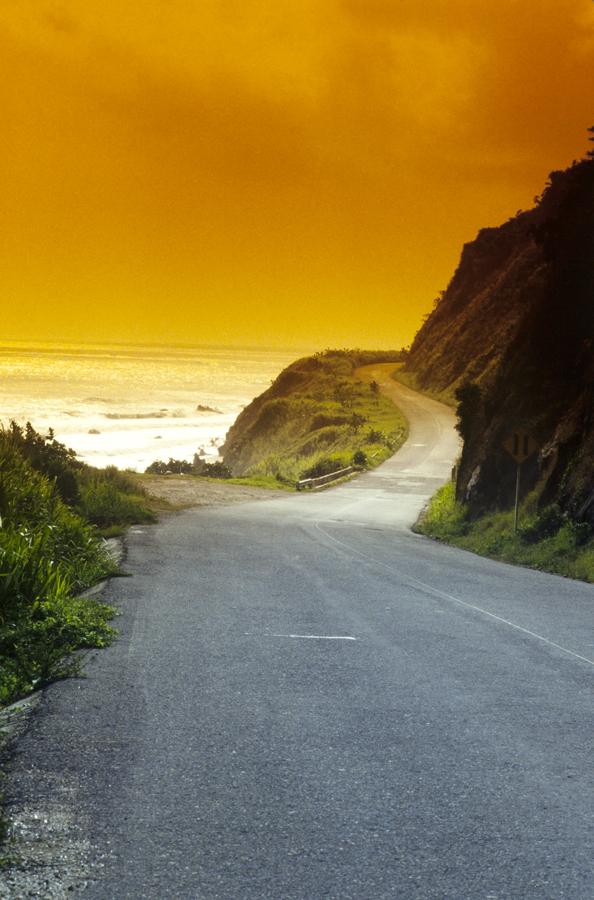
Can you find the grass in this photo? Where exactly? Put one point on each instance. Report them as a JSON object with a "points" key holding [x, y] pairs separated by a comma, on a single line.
{"points": [[111, 505], [261, 481], [545, 540]]}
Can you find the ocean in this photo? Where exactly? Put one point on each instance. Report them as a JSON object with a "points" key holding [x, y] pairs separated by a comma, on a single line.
{"points": [[130, 405]]}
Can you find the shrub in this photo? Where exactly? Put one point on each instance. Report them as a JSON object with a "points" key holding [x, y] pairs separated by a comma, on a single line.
{"points": [[213, 470], [322, 420], [542, 525], [324, 466], [171, 467], [47, 555], [102, 504], [47, 456], [121, 481], [41, 622]]}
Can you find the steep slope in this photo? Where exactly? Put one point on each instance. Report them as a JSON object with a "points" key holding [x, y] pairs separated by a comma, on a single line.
{"points": [[518, 320], [315, 410]]}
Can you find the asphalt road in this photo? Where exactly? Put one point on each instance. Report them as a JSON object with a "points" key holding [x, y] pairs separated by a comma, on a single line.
{"points": [[309, 701]]}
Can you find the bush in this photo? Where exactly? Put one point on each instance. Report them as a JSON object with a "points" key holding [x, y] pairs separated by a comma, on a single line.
{"points": [[41, 622], [102, 504], [171, 467], [121, 481], [213, 470], [542, 525], [323, 420], [360, 458], [48, 554], [324, 466], [47, 456]]}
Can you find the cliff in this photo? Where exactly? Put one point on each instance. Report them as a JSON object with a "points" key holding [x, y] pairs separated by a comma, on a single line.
{"points": [[517, 320]]}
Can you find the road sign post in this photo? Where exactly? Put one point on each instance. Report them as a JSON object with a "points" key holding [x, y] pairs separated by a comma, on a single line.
{"points": [[520, 445], [517, 501]]}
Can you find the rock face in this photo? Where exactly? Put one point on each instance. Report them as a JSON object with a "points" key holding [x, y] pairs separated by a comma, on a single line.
{"points": [[517, 320]]}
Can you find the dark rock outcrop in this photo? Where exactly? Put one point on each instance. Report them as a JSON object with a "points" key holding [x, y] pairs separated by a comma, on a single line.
{"points": [[518, 320]]}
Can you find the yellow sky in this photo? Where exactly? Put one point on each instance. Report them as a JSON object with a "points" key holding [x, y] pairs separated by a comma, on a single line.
{"points": [[274, 172]]}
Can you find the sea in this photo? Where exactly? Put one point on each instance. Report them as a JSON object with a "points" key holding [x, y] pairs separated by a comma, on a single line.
{"points": [[128, 405]]}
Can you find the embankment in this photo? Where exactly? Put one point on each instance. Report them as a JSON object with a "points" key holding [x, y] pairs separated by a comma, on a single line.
{"points": [[319, 414]]}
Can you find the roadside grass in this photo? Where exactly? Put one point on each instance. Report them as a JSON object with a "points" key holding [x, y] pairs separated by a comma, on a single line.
{"points": [[261, 481], [545, 539], [112, 500]]}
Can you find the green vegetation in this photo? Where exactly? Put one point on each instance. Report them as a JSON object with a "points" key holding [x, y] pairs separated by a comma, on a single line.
{"points": [[182, 467], [545, 539], [318, 416], [107, 498], [48, 555], [53, 510], [261, 481]]}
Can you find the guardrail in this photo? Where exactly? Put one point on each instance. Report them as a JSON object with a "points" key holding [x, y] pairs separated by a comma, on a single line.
{"points": [[310, 484]]}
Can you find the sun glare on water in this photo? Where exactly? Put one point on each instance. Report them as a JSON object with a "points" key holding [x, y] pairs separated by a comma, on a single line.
{"points": [[127, 406]]}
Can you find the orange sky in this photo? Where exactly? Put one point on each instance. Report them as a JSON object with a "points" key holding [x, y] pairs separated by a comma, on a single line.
{"points": [[273, 172]]}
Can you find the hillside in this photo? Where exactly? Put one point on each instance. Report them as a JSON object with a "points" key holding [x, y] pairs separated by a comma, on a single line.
{"points": [[518, 321], [315, 416]]}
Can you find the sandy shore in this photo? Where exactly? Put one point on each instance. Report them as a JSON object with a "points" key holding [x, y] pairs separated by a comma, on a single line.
{"points": [[187, 491]]}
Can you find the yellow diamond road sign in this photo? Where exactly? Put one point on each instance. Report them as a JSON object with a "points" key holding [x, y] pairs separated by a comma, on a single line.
{"points": [[520, 444]]}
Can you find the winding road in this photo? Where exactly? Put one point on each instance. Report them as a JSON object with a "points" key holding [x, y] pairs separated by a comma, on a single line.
{"points": [[309, 701]]}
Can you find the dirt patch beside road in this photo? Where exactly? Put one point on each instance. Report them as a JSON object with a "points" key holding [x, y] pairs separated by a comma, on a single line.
{"points": [[188, 490]]}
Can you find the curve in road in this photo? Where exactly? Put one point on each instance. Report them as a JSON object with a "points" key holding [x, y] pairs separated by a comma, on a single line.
{"points": [[307, 700]]}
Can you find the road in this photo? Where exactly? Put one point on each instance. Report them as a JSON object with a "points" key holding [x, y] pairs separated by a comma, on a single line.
{"points": [[309, 701]]}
